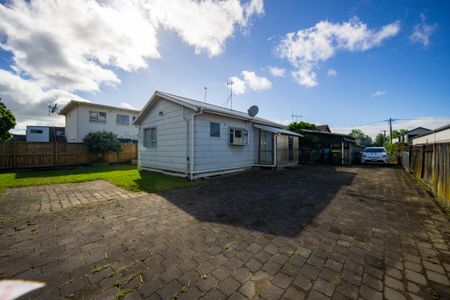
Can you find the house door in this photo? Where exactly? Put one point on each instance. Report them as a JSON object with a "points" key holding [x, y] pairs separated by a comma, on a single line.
{"points": [[265, 147]]}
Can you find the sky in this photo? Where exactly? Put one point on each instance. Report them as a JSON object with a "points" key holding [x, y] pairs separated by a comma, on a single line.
{"points": [[348, 64]]}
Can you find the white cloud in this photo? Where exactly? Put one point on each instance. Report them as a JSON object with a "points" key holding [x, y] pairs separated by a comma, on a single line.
{"points": [[308, 48], [373, 129], [277, 72], [62, 47], [332, 73], [126, 105], [378, 94], [29, 102], [249, 81], [422, 32]]}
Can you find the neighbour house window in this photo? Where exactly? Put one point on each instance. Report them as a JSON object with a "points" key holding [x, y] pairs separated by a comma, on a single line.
{"points": [[36, 131], [214, 129], [122, 120], [238, 136], [134, 119], [150, 137], [97, 116]]}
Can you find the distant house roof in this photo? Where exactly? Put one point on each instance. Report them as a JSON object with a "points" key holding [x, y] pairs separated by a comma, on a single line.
{"points": [[74, 103], [323, 128], [418, 128], [201, 106]]}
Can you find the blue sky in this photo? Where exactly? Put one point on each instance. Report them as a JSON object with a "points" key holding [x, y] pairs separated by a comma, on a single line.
{"points": [[396, 76]]}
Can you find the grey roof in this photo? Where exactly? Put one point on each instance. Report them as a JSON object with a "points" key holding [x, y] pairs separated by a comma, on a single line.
{"points": [[429, 130], [323, 128], [207, 107]]}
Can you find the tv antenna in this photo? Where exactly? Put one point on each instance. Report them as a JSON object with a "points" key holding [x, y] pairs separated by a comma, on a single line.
{"points": [[230, 98], [52, 108], [296, 117]]}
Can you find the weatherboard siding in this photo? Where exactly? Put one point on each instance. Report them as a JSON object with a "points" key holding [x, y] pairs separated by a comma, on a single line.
{"points": [[213, 153], [172, 133]]}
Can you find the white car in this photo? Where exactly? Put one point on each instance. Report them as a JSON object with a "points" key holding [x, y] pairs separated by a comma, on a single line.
{"points": [[374, 155]]}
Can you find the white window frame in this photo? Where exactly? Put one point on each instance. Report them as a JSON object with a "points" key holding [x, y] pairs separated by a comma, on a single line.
{"points": [[123, 124], [91, 112], [150, 142], [238, 141]]}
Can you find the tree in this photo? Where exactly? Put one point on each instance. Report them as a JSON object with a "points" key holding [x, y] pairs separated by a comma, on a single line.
{"points": [[298, 126], [364, 138], [398, 133], [379, 140], [101, 142], [7, 122]]}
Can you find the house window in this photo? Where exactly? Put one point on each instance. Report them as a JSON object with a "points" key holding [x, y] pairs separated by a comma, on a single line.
{"points": [[97, 116], [122, 120], [134, 119], [150, 137], [36, 131], [214, 129], [238, 136]]}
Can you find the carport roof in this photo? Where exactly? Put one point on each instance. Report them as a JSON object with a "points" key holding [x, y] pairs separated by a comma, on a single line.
{"points": [[277, 130]]}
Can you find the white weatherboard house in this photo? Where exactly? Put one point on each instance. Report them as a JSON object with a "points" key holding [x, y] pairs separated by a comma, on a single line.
{"points": [[85, 117], [193, 139]]}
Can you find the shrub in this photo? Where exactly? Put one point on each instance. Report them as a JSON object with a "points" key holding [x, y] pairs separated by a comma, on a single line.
{"points": [[101, 142]]}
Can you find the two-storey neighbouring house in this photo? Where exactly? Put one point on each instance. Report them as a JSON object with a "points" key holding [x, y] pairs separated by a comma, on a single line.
{"points": [[85, 117]]}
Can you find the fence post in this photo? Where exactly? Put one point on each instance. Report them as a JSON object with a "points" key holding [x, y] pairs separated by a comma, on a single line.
{"points": [[54, 153], [14, 154]]}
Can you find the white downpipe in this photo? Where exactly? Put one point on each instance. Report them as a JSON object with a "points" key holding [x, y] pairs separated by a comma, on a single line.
{"points": [[191, 159]]}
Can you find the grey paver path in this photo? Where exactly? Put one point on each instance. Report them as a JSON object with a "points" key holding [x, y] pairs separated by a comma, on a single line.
{"points": [[312, 232]]}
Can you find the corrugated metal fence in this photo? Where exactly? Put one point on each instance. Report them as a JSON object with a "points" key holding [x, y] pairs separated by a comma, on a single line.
{"points": [[431, 164], [29, 155]]}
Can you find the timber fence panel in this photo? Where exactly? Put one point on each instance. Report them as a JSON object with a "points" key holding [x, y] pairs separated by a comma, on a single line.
{"points": [[36, 154]]}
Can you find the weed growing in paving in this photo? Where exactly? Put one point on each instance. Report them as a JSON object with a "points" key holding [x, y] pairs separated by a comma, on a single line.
{"points": [[98, 269]]}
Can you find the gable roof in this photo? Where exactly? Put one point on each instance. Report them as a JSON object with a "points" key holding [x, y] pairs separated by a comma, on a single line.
{"points": [[74, 103], [418, 128], [323, 128], [201, 106]]}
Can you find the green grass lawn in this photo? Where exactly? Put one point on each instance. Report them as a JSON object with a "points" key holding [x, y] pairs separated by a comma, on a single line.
{"points": [[124, 176]]}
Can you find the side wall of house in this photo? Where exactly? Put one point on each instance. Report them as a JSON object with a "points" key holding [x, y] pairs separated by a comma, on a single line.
{"points": [[215, 153], [123, 131], [172, 123]]}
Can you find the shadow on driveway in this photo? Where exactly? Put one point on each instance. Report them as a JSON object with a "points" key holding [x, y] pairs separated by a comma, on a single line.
{"points": [[279, 203]]}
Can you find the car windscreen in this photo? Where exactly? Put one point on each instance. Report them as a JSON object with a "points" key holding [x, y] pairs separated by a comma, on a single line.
{"points": [[374, 150]]}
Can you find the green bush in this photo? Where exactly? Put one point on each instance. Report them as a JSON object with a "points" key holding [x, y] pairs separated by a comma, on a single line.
{"points": [[101, 142]]}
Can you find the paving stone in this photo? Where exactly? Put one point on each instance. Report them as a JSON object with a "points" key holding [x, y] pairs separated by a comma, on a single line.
{"points": [[324, 287], [303, 282], [293, 293], [281, 280], [364, 235], [391, 294], [229, 286], [415, 277], [437, 277], [369, 293]]}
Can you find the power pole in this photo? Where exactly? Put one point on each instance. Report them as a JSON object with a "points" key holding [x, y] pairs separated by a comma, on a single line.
{"points": [[390, 130], [206, 90], [384, 137]]}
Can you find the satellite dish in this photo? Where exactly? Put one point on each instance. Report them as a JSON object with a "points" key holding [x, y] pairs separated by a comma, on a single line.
{"points": [[253, 111]]}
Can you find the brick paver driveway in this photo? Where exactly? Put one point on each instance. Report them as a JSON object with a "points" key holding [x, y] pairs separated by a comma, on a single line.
{"points": [[314, 232]]}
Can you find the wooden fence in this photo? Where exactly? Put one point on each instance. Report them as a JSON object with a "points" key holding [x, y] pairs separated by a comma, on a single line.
{"points": [[431, 164], [14, 155]]}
